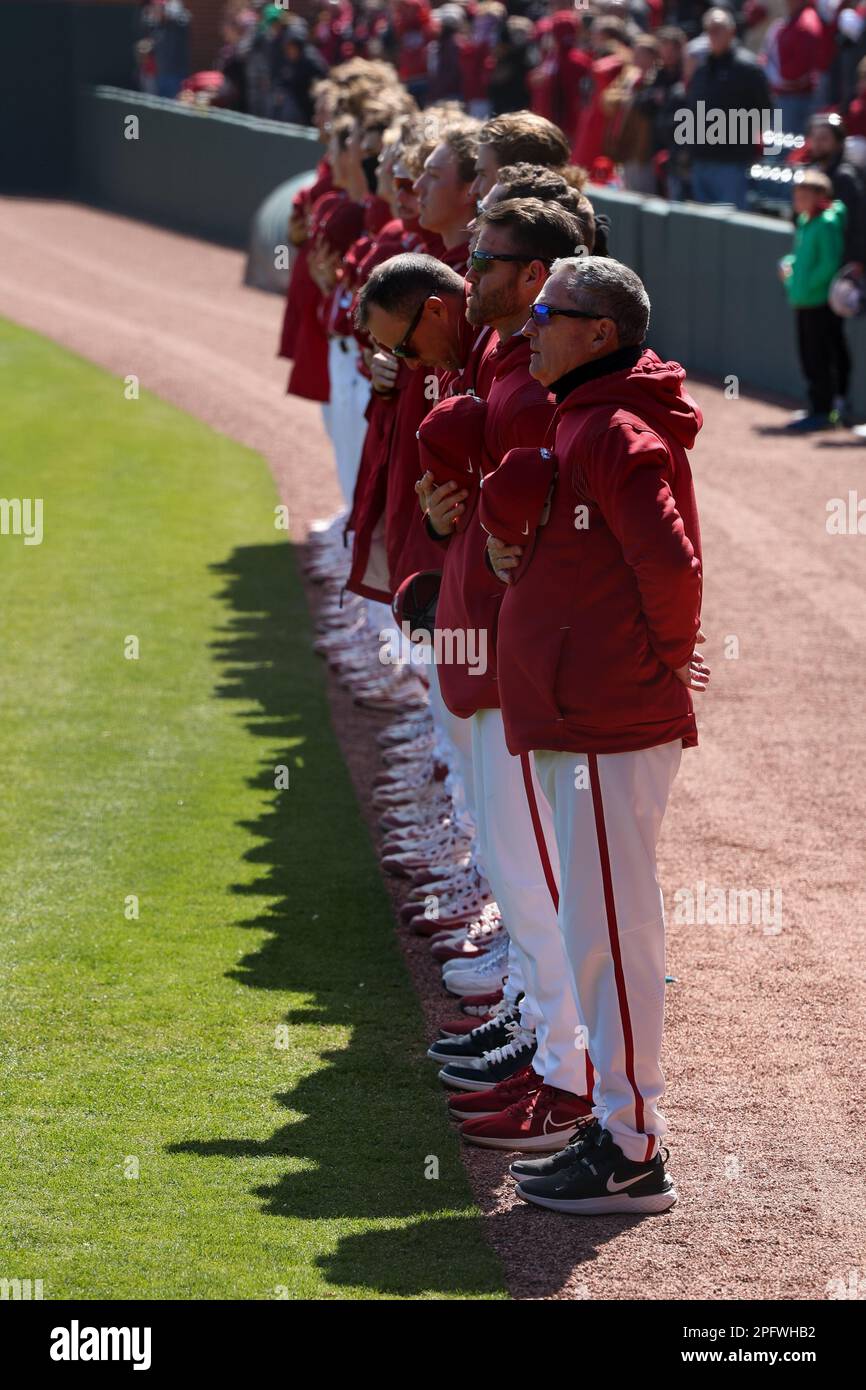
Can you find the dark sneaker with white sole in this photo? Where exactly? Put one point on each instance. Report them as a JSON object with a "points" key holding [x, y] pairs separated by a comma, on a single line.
{"points": [[471, 1049], [587, 1137], [601, 1181], [495, 1066]]}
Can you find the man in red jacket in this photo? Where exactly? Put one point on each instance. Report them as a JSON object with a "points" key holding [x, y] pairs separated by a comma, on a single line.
{"points": [[596, 661]]}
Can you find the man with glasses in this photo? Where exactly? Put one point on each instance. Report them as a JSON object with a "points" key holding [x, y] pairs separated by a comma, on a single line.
{"points": [[596, 646], [525, 1075]]}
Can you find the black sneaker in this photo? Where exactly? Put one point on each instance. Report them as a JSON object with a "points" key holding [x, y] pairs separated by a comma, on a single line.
{"points": [[472, 1046], [495, 1066], [601, 1180], [587, 1136]]}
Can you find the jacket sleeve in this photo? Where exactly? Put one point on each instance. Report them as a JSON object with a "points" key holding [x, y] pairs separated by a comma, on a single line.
{"points": [[628, 472]]}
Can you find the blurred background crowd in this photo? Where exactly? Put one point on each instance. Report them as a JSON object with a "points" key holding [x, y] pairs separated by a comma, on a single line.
{"points": [[613, 74]]}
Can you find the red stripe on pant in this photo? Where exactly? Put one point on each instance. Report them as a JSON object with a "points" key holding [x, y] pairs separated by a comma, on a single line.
{"points": [[547, 868], [613, 934]]}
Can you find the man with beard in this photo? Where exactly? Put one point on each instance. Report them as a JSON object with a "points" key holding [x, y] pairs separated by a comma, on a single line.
{"points": [[527, 1081]]}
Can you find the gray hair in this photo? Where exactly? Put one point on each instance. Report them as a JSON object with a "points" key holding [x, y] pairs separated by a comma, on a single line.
{"points": [[719, 16], [600, 283]]}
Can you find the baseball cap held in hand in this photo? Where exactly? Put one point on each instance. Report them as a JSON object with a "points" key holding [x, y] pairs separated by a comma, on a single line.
{"points": [[513, 496], [451, 445]]}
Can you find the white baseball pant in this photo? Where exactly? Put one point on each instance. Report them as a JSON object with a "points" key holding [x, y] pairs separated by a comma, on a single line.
{"points": [[350, 393], [526, 895], [607, 814]]}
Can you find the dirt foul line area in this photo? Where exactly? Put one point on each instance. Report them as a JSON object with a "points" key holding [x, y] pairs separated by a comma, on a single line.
{"points": [[761, 855]]}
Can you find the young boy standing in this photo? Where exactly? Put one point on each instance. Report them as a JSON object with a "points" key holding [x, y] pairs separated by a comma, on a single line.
{"points": [[807, 275]]}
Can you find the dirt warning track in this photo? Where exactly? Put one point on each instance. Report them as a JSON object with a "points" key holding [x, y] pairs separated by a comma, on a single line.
{"points": [[762, 854]]}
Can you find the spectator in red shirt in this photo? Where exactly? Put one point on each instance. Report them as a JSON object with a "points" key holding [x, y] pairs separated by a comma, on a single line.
{"points": [[476, 56], [557, 83], [795, 54], [413, 28], [611, 53]]}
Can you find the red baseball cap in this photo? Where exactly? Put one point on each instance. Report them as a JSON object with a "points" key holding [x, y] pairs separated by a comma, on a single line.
{"points": [[513, 495], [451, 445]]}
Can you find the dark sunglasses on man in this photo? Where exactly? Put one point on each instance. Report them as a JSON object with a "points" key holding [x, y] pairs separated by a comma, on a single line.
{"points": [[543, 313], [481, 261], [403, 349]]}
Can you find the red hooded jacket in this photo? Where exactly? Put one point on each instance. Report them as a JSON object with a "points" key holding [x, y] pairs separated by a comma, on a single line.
{"points": [[408, 543], [605, 604], [339, 222], [519, 412], [369, 573], [301, 287]]}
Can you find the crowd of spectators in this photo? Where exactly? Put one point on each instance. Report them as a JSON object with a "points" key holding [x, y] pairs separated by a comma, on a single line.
{"points": [[615, 75]]}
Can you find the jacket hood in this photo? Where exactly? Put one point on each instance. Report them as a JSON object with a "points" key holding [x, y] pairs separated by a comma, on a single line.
{"points": [[651, 389]]}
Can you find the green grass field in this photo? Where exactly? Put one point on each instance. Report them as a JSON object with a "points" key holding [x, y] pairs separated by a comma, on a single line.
{"points": [[225, 1096]]}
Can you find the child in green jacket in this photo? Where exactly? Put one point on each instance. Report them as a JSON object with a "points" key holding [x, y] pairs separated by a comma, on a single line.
{"points": [[807, 275]]}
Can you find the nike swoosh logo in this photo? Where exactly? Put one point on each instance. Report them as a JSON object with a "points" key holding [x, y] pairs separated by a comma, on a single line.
{"points": [[629, 1182], [471, 469], [550, 1126], [526, 528]]}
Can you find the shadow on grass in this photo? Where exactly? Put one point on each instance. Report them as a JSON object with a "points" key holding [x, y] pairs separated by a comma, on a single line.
{"points": [[367, 1124]]}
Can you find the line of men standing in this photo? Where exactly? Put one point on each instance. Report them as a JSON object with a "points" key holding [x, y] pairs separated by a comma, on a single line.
{"points": [[507, 389]]}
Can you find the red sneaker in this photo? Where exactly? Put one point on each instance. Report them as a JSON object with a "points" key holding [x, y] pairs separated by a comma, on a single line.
{"points": [[475, 1105], [543, 1121], [468, 946]]}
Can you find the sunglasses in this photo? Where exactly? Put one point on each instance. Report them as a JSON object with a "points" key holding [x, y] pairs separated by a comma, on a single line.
{"points": [[403, 185], [404, 347], [481, 261], [543, 313]]}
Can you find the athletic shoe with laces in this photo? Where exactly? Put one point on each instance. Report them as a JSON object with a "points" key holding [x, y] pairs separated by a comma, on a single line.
{"points": [[404, 862], [474, 1105], [446, 896], [808, 423], [404, 754], [489, 972], [537, 1123], [395, 702], [476, 1004], [468, 945], [405, 730], [486, 967], [400, 837], [430, 926], [602, 1181], [422, 815], [496, 1065], [587, 1135], [474, 1047], [451, 911]]}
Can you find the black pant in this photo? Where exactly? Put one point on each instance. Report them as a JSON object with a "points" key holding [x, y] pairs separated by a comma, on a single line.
{"points": [[823, 356]]}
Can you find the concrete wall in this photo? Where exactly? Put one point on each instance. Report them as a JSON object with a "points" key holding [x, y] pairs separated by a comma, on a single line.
{"points": [[50, 47], [718, 304], [204, 172]]}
